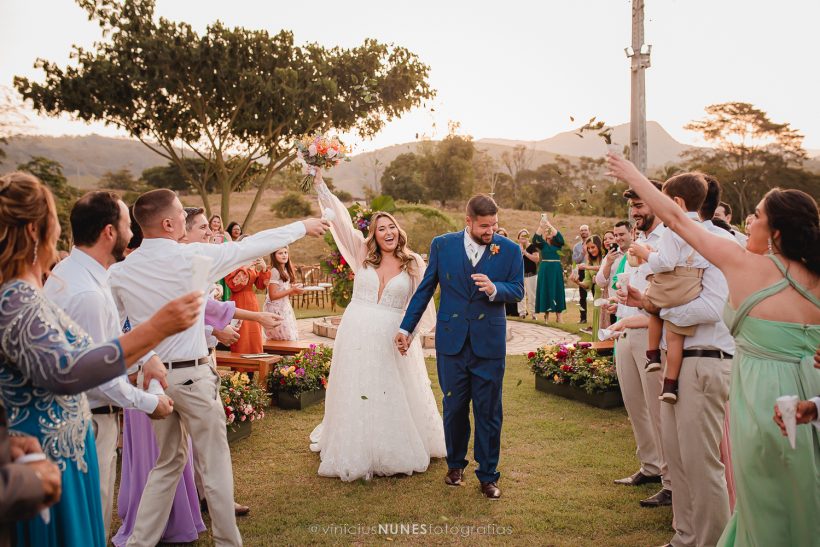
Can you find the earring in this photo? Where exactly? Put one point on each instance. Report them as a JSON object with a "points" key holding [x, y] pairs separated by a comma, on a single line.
{"points": [[34, 262], [770, 246]]}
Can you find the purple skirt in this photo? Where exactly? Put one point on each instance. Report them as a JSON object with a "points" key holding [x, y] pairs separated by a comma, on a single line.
{"points": [[139, 454]]}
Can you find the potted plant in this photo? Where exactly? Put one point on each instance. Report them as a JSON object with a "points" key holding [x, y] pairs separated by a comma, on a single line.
{"points": [[576, 371], [299, 381], [244, 403]]}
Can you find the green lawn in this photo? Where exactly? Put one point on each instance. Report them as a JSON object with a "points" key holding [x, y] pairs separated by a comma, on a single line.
{"points": [[558, 460]]}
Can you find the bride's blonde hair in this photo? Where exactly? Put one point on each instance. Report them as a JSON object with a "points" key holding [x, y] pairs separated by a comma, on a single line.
{"points": [[374, 253]]}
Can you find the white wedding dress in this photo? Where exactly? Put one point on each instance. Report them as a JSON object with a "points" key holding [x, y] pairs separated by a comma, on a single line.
{"points": [[380, 416]]}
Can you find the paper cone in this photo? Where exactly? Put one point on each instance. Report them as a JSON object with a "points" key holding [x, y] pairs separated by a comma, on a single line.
{"points": [[787, 405]]}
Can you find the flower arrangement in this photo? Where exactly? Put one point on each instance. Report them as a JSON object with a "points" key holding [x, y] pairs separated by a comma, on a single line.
{"points": [[243, 400], [320, 151], [305, 371], [575, 364]]}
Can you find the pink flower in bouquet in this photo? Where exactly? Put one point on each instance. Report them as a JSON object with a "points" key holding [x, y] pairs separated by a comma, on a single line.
{"points": [[530, 355], [231, 418]]}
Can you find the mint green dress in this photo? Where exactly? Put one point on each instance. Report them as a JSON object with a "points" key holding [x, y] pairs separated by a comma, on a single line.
{"points": [[778, 489]]}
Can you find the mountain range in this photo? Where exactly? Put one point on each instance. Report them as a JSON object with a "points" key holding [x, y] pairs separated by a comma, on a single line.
{"points": [[86, 158]]}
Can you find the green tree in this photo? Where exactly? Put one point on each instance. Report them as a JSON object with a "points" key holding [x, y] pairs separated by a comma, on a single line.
{"points": [[291, 205], [12, 118], [448, 169], [122, 179], [170, 176], [51, 174], [748, 148], [233, 97], [402, 178]]}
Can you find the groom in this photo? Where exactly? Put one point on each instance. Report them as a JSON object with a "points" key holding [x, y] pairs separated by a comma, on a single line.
{"points": [[478, 272]]}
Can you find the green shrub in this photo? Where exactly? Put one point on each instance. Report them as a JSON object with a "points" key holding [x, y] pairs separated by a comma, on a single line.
{"points": [[292, 205]]}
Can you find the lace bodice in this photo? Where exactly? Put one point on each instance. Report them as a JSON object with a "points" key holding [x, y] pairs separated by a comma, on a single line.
{"points": [[396, 293]]}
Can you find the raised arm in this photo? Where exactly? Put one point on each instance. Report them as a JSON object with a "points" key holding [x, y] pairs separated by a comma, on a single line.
{"points": [[723, 253], [349, 239]]}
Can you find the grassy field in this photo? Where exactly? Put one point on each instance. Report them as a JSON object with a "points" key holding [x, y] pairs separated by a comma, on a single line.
{"points": [[558, 460]]}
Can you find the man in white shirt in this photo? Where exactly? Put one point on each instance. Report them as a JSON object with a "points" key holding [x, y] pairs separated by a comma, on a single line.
{"points": [[101, 228], [724, 212], [641, 389], [156, 272]]}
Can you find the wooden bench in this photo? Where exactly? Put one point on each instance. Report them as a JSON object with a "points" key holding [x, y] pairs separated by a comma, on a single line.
{"points": [[286, 347], [606, 347], [260, 366]]}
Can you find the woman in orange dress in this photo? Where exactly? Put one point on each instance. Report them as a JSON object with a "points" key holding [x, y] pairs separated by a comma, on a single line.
{"points": [[242, 282]]}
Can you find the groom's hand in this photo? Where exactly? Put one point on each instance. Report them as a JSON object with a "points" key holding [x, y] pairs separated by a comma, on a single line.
{"points": [[484, 284], [402, 343]]}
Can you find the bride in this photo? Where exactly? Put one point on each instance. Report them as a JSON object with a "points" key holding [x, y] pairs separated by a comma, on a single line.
{"points": [[380, 414]]}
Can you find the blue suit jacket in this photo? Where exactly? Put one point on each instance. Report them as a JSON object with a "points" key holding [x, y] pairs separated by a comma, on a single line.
{"points": [[465, 313]]}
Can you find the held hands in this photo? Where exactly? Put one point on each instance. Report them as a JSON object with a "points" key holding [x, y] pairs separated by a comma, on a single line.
{"points": [[22, 445], [316, 227], [402, 342], [806, 412], [484, 284], [267, 320], [164, 408], [51, 481]]}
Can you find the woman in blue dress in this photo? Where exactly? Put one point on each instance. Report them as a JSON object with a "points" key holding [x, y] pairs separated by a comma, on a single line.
{"points": [[47, 361]]}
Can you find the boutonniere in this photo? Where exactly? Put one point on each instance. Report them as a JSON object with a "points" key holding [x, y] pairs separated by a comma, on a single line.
{"points": [[494, 249]]}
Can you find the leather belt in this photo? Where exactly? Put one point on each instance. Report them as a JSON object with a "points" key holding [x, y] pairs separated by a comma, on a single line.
{"points": [[107, 409], [709, 353], [189, 363]]}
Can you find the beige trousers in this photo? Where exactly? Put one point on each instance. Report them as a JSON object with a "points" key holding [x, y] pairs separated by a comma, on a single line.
{"points": [[640, 390], [692, 431], [106, 433], [527, 304], [198, 411]]}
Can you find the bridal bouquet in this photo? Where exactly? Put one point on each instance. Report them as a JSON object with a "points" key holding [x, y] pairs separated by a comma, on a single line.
{"points": [[320, 151]]}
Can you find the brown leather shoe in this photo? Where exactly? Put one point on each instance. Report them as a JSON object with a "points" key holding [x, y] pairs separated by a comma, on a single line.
{"points": [[241, 510], [490, 490], [662, 498], [638, 479], [454, 477]]}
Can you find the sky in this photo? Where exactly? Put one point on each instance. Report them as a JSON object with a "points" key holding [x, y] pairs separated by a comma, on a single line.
{"points": [[513, 69]]}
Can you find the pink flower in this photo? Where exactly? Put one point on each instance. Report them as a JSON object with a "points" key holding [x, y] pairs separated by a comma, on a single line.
{"points": [[243, 418]]}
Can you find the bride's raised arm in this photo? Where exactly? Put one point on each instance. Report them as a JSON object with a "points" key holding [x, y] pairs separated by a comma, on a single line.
{"points": [[349, 239]]}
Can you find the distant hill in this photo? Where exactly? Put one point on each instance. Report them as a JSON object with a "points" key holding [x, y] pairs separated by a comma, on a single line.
{"points": [[84, 158]]}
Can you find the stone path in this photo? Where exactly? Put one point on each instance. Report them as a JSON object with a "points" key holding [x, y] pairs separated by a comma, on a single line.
{"points": [[526, 337]]}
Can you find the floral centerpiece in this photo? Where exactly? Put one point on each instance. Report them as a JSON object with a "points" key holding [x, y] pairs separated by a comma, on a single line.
{"points": [[336, 267], [320, 151], [576, 366], [244, 401], [302, 373]]}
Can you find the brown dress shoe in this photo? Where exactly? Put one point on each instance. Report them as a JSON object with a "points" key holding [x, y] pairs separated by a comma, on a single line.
{"points": [[662, 498], [454, 477], [490, 490], [638, 479], [241, 510]]}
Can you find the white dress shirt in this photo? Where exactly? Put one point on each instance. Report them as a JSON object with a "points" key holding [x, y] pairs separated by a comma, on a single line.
{"points": [[638, 274], [161, 270], [474, 252], [673, 251], [79, 285]]}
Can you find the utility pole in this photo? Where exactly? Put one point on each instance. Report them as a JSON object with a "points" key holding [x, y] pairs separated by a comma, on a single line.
{"points": [[638, 54]]}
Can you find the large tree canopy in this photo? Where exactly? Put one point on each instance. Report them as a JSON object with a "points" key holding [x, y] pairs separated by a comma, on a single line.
{"points": [[232, 97]]}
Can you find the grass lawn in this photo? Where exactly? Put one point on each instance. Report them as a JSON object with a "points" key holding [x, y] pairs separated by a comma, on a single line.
{"points": [[558, 460]]}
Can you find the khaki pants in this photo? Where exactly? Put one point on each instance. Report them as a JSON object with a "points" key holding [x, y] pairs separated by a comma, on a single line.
{"points": [[198, 411], [527, 304], [640, 390], [693, 428], [106, 433]]}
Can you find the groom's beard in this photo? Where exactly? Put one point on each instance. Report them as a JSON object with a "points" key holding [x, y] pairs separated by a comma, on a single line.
{"points": [[479, 239]]}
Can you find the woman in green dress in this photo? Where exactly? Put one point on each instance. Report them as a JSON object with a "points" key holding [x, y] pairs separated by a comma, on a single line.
{"points": [[550, 289], [774, 314], [594, 253]]}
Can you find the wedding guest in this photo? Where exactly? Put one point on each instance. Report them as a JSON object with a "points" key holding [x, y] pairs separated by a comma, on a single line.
{"points": [[47, 361], [550, 296], [242, 282], [774, 315], [724, 212], [219, 235], [526, 308], [641, 390], [165, 265], [234, 231], [748, 224], [578, 261], [100, 227], [613, 264], [277, 299], [593, 263], [608, 241], [25, 488]]}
